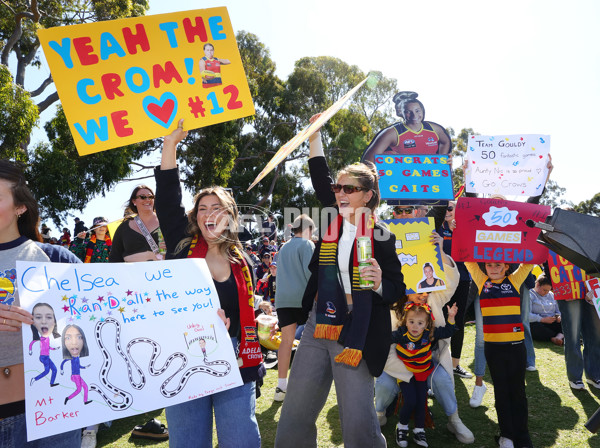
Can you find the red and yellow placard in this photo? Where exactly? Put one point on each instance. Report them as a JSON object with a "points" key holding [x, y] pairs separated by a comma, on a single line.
{"points": [[568, 280], [495, 230], [129, 80]]}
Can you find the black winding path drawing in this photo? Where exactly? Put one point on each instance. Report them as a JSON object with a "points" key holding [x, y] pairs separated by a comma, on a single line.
{"points": [[126, 398]]}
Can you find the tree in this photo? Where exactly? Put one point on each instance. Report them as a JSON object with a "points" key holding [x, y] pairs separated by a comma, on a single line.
{"points": [[60, 178], [282, 109], [589, 207], [552, 195], [459, 152], [18, 116], [63, 181]]}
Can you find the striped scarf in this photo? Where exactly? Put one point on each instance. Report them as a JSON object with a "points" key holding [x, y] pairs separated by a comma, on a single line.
{"points": [[249, 353], [334, 322]]}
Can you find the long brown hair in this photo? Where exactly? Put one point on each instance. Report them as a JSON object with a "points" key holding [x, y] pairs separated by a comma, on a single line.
{"points": [[366, 175], [28, 221], [229, 236]]}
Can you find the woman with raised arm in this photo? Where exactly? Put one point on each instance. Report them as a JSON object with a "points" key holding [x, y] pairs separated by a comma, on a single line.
{"points": [[348, 331], [209, 231]]}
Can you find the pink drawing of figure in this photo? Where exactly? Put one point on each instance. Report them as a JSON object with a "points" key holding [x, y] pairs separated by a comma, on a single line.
{"points": [[74, 347], [44, 325]]}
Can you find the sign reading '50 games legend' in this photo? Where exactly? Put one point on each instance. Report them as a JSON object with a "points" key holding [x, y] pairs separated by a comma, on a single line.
{"points": [[125, 81]]}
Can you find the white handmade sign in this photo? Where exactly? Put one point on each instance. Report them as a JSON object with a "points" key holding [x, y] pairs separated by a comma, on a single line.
{"points": [[593, 287], [114, 340], [507, 164]]}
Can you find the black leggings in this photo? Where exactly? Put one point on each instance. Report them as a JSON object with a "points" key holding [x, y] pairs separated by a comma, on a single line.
{"points": [[545, 332], [507, 368], [414, 394]]}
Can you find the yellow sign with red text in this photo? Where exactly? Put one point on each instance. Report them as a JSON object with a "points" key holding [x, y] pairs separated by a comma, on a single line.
{"points": [[129, 80]]}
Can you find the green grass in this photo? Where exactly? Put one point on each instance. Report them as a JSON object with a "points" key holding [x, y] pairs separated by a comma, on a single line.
{"points": [[556, 414]]}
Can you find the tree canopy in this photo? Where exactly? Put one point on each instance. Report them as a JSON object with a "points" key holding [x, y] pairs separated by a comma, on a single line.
{"points": [[228, 154]]}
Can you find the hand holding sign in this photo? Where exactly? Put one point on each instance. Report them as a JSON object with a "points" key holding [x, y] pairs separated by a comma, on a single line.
{"points": [[292, 144]]}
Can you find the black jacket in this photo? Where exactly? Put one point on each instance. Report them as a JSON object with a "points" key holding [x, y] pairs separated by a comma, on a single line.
{"points": [[379, 334]]}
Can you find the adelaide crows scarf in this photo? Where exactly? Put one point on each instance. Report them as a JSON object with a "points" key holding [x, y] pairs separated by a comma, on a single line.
{"points": [[250, 354], [334, 321]]}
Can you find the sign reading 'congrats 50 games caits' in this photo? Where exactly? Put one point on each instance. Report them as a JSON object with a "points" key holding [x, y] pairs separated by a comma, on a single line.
{"points": [[129, 80]]}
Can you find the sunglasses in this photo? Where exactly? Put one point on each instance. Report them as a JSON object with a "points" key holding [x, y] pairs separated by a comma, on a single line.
{"points": [[450, 209], [348, 189], [404, 211], [143, 197]]}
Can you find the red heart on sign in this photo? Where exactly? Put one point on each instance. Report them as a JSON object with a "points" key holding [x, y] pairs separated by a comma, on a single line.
{"points": [[541, 157], [473, 161], [163, 113], [523, 192]]}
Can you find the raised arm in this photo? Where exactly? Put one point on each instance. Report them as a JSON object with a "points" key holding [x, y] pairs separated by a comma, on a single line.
{"points": [[320, 175], [169, 153], [536, 199]]}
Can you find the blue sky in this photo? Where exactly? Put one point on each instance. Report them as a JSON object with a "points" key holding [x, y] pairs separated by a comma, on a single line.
{"points": [[509, 67]]}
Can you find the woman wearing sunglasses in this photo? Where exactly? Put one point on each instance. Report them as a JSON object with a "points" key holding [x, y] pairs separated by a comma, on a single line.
{"points": [[138, 238], [348, 332]]}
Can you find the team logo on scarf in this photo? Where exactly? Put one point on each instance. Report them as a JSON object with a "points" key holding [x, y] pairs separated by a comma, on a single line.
{"points": [[251, 334], [330, 310]]}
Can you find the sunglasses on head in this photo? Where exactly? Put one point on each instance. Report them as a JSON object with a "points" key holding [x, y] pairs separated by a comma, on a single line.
{"points": [[405, 211], [348, 189], [143, 197]]}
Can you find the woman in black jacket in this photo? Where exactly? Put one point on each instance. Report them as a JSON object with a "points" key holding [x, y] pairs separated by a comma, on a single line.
{"points": [[348, 333]]}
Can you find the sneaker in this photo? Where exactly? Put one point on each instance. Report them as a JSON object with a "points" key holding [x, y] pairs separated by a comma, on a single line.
{"points": [[578, 385], [504, 442], [531, 368], [477, 395], [88, 439], [381, 418], [595, 383], [459, 371], [270, 359], [279, 394], [401, 436], [420, 439], [457, 427]]}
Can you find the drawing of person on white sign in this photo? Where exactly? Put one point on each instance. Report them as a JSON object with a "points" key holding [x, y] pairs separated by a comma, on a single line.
{"points": [[118, 363], [411, 136], [75, 347], [44, 325]]}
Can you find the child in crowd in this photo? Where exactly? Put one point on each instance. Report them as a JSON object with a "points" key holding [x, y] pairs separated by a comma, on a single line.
{"points": [[503, 336], [413, 339]]}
